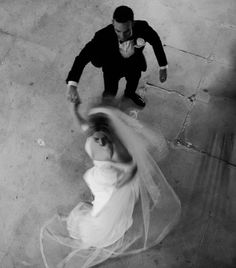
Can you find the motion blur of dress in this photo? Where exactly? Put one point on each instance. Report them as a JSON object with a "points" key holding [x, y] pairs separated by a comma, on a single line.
{"points": [[120, 221]]}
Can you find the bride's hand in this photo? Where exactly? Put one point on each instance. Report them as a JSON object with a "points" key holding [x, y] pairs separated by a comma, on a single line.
{"points": [[74, 108], [76, 104]]}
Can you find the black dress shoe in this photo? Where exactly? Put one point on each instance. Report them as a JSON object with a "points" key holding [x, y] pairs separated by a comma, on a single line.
{"points": [[138, 100]]}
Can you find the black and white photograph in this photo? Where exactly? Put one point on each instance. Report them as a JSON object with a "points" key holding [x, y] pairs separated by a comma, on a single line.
{"points": [[117, 134]]}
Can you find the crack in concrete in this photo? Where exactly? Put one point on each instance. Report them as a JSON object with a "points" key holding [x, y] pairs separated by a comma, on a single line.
{"points": [[187, 52], [6, 33], [192, 98], [165, 89], [14, 36], [184, 125], [180, 136], [208, 59], [194, 148]]}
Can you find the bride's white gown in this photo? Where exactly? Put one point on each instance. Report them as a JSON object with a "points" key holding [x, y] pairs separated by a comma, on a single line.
{"points": [[119, 221], [110, 215]]}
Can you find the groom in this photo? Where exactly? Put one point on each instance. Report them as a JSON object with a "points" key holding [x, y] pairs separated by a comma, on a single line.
{"points": [[118, 50]]}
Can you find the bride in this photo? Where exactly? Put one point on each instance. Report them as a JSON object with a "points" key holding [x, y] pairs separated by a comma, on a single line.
{"points": [[133, 205]]}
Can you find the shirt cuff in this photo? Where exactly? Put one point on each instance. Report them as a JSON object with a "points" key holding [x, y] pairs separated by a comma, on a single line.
{"points": [[73, 83], [164, 67]]}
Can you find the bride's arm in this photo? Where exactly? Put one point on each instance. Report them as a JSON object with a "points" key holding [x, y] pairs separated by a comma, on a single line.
{"points": [[83, 124], [128, 175]]}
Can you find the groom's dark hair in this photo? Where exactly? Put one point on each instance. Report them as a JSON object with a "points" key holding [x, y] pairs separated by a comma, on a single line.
{"points": [[123, 14]]}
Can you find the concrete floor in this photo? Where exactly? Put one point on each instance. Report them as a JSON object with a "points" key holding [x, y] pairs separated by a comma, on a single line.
{"points": [[41, 154]]}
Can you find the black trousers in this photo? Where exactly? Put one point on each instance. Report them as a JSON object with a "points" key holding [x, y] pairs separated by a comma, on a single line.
{"points": [[129, 68]]}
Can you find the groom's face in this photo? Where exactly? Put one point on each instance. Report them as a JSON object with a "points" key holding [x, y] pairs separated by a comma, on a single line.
{"points": [[123, 30]]}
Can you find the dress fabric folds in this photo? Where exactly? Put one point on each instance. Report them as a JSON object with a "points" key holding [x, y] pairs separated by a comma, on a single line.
{"points": [[119, 221]]}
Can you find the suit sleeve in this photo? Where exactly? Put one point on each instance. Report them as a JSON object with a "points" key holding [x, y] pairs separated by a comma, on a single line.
{"points": [[154, 40], [81, 61]]}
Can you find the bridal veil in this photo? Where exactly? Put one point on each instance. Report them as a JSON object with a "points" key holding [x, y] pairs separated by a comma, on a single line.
{"points": [[153, 210]]}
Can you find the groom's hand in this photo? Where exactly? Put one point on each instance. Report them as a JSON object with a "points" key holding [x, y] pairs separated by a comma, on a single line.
{"points": [[72, 94], [163, 75]]}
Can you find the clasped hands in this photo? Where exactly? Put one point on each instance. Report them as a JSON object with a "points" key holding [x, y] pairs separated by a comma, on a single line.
{"points": [[162, 75], [72, 95]]}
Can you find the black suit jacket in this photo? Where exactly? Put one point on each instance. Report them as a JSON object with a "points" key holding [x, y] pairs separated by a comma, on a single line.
{"points": [[103, 50]]}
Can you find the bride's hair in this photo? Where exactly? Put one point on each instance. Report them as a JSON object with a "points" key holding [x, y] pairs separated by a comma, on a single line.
{"points": [[100, 122]]}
